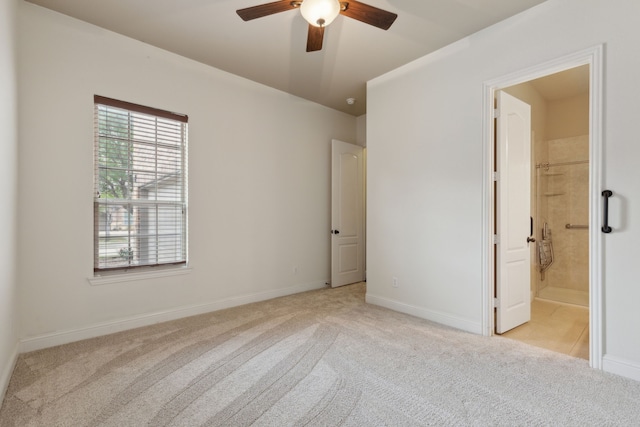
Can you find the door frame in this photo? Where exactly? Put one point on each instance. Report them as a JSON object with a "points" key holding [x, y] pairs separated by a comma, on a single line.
{"points": [[594, 58]]}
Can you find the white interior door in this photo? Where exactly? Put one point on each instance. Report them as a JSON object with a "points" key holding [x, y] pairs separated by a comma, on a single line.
{"points": [[513, 221], [347, 214]]}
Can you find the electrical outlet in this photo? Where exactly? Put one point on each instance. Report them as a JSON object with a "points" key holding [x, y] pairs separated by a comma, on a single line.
{"points": [[394, 282]]}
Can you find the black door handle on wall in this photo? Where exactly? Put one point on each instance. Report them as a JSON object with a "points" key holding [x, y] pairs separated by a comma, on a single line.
{"points": [[605, 211]]}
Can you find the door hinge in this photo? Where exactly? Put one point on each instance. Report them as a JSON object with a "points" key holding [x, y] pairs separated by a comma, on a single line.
{"points": [[496, 176], [496, 239], [496, 303], [496, 113]]}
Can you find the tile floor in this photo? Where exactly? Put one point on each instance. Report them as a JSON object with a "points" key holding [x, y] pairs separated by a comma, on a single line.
{"points": [[556, 326]]}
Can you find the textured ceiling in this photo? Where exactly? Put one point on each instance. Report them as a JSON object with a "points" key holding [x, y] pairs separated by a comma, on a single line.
{"points": [[271, 50]]}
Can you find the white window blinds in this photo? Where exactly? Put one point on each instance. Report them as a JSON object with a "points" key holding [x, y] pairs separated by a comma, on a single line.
{"points": [[140, 186]]}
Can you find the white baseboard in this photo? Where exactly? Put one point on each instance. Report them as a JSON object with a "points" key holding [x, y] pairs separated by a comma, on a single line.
{"points": [[7, 371], [106, 328], [442, 318], [622, 367]]}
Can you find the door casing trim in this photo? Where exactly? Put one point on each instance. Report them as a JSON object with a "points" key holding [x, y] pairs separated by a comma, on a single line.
{"points": [[593, 57]]}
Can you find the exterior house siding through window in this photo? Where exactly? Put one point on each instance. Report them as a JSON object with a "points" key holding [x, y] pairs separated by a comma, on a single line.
{"points": [[140, 203]]}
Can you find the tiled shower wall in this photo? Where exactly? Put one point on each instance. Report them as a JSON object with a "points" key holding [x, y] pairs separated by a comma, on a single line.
{"points": [[563, 198]]}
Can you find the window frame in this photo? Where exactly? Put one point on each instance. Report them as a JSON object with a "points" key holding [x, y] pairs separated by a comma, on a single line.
{"points": [[179, 203]]}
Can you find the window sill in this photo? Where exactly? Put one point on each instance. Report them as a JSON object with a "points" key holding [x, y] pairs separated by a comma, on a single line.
{"points": [[129, 277]]}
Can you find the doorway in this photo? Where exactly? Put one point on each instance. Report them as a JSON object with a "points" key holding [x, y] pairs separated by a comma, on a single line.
{"points": [[536, 84], [347, 213], [559, 189]]}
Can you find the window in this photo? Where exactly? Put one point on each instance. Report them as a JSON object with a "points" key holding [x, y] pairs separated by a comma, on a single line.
{"points": [[140, 184]]}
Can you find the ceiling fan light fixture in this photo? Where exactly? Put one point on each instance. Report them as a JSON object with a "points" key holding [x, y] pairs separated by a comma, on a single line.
{"points": [[320, 13]]}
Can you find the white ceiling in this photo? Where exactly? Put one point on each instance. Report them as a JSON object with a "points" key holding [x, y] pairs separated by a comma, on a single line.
{"points": [[271, 50]]}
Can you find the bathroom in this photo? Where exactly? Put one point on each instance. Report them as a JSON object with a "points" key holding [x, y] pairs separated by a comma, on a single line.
{"points": [[559, 210]]}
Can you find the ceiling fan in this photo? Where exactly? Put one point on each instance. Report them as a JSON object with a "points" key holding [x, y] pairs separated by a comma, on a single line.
{"points": [[320, 13]]}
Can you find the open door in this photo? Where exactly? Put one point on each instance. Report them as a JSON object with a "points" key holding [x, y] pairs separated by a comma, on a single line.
{"points": [[347, 214], [514, 228]]}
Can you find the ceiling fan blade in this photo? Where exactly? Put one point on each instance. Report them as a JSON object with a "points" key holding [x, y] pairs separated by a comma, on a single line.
{"points": [[368, 14], [266, 9], [314, 38]]}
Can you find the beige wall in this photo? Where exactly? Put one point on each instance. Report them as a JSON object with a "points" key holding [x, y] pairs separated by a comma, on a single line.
{"points": [[426, 198], [568, 117], [361, 124], [259, 181], [8, 191]]}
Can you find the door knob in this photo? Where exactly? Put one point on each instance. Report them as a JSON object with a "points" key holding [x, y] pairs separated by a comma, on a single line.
{"points": [[530, 239], [335, 231]]}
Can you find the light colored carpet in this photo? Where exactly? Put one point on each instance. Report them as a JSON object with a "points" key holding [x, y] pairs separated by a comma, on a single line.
{"points": [[320, 358]]}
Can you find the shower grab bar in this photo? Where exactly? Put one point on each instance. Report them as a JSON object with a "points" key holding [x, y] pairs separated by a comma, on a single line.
{"points": [[572, 226], [605, 211]]}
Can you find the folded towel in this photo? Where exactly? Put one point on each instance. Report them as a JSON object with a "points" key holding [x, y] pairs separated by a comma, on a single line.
{"points": [[545, 249]]}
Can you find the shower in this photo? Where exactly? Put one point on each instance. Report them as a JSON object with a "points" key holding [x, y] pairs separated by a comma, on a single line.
{"points": [[562, 221]]}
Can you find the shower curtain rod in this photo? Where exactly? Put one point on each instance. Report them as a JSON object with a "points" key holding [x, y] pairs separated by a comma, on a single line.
{"points": [[550, 165]]}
